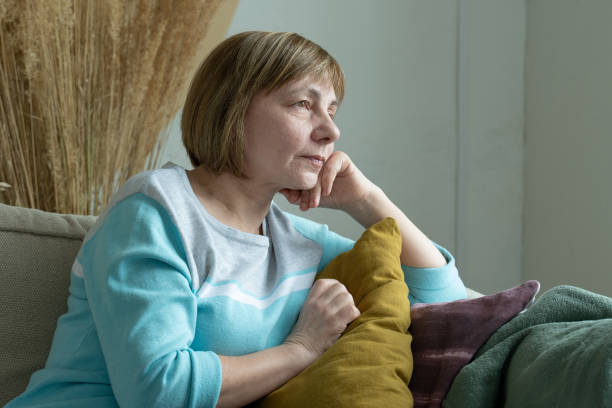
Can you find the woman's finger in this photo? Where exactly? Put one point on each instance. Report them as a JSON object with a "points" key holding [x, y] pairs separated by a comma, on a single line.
{"points": [[315, 194], [291, 195], [328, 291], [330, 171], [304, 198], [286, 193], [295, 196]]}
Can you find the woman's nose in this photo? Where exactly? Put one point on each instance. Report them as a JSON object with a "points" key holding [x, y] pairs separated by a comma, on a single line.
{"points": [[326, 131]]}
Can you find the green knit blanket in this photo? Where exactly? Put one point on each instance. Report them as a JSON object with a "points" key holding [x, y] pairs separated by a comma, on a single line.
{"points": [[557, 353]]}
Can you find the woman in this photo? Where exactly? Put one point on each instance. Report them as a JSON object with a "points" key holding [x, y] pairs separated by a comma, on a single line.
{"points": [[194, 288]]}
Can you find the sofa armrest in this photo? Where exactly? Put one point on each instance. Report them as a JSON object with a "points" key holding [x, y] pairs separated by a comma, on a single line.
{"points": [[472, 294]]}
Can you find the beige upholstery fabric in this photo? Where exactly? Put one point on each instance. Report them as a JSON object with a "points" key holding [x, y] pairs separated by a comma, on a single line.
{"points": [[36, 252], [472, 294]]}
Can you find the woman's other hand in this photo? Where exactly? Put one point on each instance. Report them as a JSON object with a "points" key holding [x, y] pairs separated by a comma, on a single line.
{"points": [[340, 184], [328, 310]]}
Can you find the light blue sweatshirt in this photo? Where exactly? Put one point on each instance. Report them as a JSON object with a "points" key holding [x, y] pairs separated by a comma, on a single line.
{"points": [[160, 288]]}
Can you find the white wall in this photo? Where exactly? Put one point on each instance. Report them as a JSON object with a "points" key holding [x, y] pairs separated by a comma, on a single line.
{"points": [[491, 122], [432, 114], [568, 172]]}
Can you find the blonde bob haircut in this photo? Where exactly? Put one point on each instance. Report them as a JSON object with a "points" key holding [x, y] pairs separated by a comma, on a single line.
{"points": [[212, 122]]}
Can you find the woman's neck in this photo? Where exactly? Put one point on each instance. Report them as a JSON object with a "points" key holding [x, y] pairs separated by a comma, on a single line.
{"points": [[233, 201]]}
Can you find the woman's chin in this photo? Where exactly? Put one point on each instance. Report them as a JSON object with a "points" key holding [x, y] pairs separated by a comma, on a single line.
{"points": [[305, 183], [308, 185]]}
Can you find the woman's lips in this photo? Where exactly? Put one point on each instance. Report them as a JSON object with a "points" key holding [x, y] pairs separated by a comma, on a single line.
{"points": [[318, 161]]}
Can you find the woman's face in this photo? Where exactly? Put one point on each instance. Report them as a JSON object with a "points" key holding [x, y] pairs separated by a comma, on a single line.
{"points": [[290, 133]]}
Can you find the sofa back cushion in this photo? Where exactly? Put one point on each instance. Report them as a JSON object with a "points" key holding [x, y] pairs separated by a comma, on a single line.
{"points": [[37, 249]]}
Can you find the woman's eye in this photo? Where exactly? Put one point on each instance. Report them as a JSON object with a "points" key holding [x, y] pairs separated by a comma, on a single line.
{"points": [[302, 104]]}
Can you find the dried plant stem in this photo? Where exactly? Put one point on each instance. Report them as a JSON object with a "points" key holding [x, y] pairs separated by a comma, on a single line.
{"points": [[87, 90]]}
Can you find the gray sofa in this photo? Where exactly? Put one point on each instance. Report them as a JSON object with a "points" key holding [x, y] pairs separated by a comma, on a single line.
{"points": [[36, 252], [37, 249]]}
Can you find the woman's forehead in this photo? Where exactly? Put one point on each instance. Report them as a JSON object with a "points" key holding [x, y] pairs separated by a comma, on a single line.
{"points": [[320, 87]]}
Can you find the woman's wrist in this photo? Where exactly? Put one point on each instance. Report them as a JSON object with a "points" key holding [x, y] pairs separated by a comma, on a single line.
{"points": [[249, 377], [369, 209], [303, 355]]}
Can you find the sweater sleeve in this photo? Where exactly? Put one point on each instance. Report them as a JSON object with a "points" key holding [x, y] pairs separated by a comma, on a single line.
{"points": [[426, 285], [430, 285], [144, 309]]}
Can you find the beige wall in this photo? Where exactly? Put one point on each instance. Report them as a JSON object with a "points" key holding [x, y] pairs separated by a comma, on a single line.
{"points": [[568, 169], [490, 105]]}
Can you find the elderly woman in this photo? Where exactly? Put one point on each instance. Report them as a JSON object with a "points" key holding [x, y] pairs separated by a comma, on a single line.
{"points": [[194, 289]]}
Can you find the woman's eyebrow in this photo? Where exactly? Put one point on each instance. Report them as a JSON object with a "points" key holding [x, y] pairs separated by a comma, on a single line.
{"points": [[314, 92]]}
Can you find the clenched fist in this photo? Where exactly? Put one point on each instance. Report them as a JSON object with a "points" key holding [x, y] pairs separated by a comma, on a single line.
{"points": [[328, 309]]}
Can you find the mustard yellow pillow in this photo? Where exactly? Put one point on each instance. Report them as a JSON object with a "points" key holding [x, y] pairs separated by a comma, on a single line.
{"points": [[370, 365]]}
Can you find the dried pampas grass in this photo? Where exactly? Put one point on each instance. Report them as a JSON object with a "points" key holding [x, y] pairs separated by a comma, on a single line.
{"points": [[87, 90]]}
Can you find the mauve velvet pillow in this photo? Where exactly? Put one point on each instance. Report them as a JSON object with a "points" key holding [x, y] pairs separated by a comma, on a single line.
{"points": [[447, 335]]}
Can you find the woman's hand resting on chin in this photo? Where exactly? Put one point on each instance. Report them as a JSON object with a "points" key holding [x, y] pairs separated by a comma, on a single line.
{"points": [[340, 185]]}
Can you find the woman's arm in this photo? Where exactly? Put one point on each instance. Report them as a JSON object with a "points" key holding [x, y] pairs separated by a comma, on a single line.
{"points": [[252, 376], [328, 309], [342, 186], [417, 250]]}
